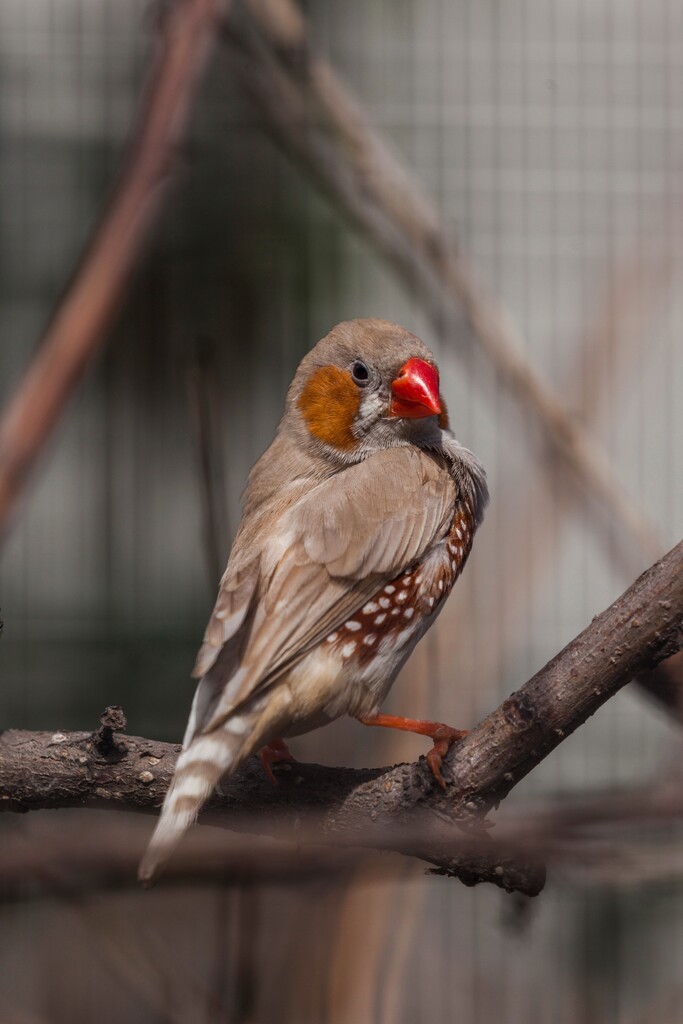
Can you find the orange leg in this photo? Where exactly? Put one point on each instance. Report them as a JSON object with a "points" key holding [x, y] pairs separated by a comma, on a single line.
{"points": [[444, 736], [276, 752]]}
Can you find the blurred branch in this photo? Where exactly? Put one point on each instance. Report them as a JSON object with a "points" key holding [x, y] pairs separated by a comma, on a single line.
{"points": [[312, 115], [620, 838], [79, 324], [620, 326], [617, 838], [401, 808], [73, 858]]}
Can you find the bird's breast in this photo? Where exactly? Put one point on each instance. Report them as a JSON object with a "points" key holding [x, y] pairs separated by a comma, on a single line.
{"points": [[379, 636], [352, 670]]}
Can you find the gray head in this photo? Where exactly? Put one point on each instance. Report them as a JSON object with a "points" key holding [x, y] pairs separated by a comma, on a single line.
{"points": [[367, 385]]}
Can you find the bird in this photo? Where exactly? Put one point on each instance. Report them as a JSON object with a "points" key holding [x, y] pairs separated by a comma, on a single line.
{"points": [[356, 522]]}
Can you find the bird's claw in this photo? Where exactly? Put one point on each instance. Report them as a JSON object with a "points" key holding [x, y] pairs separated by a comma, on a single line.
{"points": [[276, 752], [444, 738]]}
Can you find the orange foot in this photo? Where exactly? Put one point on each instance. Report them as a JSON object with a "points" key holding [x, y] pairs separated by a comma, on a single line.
{"points": [[444, 736], [274, 753]]}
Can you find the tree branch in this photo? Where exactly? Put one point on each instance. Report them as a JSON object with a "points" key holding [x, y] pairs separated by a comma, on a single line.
{"points": [[79, 324], [399, 808]]}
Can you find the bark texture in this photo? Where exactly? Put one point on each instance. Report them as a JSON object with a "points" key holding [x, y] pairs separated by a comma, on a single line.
{"points": [[80, 321]]}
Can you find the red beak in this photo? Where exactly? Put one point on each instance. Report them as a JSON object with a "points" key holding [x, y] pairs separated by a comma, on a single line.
{"points": [[415, 392]]}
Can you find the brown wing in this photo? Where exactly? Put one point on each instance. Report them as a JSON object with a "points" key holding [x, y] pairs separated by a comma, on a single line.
{"points": [[344, 540], [235, 595], [379, 516]]}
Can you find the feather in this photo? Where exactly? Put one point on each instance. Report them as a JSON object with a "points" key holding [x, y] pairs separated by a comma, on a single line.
{"points": [[198, 770], [235, 595], [313, 588]]}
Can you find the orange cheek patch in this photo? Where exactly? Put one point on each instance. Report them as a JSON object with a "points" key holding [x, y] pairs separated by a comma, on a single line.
{"points": [[329, 405]]}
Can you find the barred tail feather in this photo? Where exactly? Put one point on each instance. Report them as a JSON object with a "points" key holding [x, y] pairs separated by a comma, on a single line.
{"points": [[201, 765]]}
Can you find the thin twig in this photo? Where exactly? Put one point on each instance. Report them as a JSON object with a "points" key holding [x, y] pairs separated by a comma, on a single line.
{"points": [[80, 323]]}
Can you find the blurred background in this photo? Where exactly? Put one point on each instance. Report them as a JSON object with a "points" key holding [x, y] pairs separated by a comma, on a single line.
{"points": [[550, 138]]}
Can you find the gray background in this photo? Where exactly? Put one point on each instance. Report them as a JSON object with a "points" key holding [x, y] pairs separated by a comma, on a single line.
{"points": [[549, 136]]}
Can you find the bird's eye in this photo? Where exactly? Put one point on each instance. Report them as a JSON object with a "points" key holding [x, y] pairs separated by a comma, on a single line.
{"points": [[360, 373]]}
